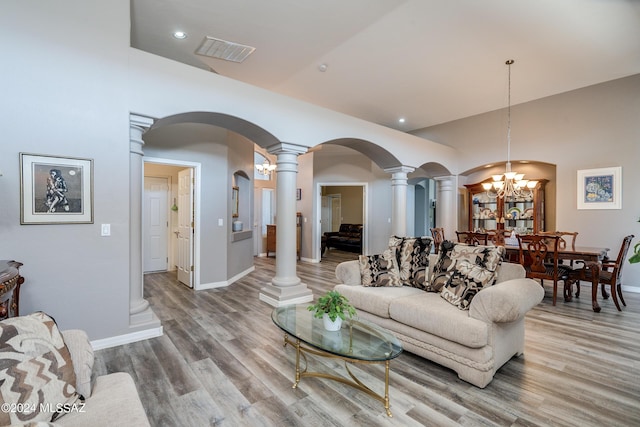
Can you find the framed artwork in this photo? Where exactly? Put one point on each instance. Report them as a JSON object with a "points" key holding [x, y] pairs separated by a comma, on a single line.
{"points": [[298, 193], [55, 190], [600, 188], [235, 196]]}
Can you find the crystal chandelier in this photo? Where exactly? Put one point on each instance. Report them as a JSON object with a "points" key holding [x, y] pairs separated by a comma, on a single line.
{"points": [[510, 184], [266, 168]]}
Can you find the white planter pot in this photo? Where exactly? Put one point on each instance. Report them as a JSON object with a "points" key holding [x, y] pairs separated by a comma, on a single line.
{"points": [[332, 340], [331, 325]]}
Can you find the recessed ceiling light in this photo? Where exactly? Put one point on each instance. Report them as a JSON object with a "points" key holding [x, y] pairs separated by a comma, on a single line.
{"points": [[180, 35], [401, 120]]}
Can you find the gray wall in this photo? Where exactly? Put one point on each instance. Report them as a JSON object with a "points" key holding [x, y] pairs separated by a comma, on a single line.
{"points": [[71, 272], [240, 161], [593, 127]]}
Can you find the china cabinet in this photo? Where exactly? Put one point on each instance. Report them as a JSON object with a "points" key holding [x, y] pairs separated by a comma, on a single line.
{"points": [[10, 281], [525, 215]]}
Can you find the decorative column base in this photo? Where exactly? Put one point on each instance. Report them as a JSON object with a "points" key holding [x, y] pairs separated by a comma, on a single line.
{"points": [[279, 296], [146, 319]]}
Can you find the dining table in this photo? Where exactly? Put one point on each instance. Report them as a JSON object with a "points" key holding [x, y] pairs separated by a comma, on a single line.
{"points": [[592, 258]]}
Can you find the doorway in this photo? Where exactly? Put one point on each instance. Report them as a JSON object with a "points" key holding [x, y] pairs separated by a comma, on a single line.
{"points": [[424, 207], [179, 216], [340, 203]]}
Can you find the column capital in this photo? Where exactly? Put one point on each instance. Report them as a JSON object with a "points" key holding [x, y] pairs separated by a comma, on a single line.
{"points": [[286, 147], [139, 121], [138, 125], [400, 169]]}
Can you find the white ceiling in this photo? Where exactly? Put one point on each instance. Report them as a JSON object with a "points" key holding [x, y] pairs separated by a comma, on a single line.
{"points": [[431, 61]]}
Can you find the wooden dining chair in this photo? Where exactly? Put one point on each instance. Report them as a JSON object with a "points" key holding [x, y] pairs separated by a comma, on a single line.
{"points": [[539, 257], [438, 237], [567, 239], [472, 238], [497, 236], [607, 277]]}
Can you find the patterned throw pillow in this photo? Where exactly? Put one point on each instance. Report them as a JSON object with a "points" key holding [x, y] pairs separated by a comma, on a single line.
{"points": [[488, 257], [465, 282], [379, 270], [35, 369], [413, 261]]}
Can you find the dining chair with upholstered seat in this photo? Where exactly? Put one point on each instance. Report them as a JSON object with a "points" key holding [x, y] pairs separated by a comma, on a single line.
{"points": [[606, 276], [539, 257], [473, 238], [438, 237]]}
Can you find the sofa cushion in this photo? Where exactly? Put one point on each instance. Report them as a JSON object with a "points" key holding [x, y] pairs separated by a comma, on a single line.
{"points": [[428, 312], [413, 261], [466, 281], [488, 257], [379, 269], [77, 342], [375, 300], [35, 369]]}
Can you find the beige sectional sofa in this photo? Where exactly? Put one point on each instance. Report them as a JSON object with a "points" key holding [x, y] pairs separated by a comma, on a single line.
{"points": [[475, 343]]}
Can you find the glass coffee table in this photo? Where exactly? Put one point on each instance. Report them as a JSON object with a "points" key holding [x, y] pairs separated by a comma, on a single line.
{"points": [[357, 342]]}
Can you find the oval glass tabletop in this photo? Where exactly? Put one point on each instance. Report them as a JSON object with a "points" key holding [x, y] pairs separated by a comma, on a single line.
{"points": [[358, 339]]}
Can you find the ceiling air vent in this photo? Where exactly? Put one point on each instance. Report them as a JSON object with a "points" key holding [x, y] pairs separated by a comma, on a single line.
{"points": [[222, 49]]}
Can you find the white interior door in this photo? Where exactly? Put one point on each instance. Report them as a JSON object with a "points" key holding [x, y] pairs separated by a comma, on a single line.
{"points": [[325, 215], [185, 226], [336, 212], [155, 224]]}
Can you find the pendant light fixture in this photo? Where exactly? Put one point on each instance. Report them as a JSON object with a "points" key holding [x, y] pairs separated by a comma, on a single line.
{"points": [[510, 184]]}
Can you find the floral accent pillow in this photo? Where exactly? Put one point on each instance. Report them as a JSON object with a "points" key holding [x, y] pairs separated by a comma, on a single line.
{"points": [[487, 257], [379, 270], [465, 281]]}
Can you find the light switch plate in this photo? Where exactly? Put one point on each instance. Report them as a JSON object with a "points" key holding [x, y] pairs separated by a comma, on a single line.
{"points": [[105, 230]]}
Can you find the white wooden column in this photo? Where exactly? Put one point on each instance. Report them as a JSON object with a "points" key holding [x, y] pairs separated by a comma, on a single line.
{"points": [[399, 199], [141, 316], [446, 205], [286, 287]]}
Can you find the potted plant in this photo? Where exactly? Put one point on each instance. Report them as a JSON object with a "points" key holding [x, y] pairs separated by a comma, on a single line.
{"points": [[332, 308], [636, 252]]}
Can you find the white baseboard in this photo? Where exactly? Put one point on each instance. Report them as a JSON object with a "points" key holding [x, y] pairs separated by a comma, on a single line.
{"points": [[127, 338], [224, 283], [625, 288], [631, 289]]}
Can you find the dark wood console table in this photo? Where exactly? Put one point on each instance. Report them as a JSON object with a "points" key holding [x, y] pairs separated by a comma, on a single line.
{"points": [[10, 281]]}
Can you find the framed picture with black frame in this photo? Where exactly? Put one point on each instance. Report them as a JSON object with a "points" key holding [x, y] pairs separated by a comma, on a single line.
{"points": [[55, 189]]}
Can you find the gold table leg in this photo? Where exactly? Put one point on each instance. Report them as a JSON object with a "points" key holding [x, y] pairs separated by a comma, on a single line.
{"points": [[354, 382]]}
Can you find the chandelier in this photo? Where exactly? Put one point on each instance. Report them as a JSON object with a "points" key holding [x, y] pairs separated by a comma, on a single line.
{"points": [[266, 167], [510, 184]]}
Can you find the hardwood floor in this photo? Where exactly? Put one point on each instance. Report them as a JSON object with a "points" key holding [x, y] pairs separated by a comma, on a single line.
{"points": [[221, 362]]}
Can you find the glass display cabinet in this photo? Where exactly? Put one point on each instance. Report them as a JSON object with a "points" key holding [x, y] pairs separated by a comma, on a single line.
{"points": [[525, 215]]}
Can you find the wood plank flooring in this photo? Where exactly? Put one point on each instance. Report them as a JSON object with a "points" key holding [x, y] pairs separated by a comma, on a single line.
{"points": [[221, 362]]}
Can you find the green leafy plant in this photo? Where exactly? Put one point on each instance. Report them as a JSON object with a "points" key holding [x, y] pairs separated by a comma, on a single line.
{"points": [[636, 254], [334, 304]]}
